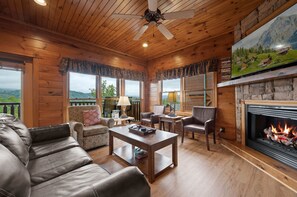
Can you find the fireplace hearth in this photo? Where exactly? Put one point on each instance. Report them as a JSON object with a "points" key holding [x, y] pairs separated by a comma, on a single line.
{"points": [[272, 130]]}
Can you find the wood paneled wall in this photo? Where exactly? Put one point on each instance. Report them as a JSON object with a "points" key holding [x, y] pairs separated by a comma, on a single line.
{"points": [[219, 47], [47, 48]]}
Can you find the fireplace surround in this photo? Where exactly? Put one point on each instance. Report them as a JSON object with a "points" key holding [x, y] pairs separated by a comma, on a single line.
{"points": [[272, 130]]}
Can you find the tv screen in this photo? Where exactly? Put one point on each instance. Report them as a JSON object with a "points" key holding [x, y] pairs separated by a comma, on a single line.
{"points": [[272, 45]]}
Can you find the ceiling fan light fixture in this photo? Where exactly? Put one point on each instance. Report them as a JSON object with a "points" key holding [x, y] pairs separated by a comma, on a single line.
{"points": [[145, 45], [40, 2]]}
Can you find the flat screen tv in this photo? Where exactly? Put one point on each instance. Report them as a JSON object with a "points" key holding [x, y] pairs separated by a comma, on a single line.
{"points": [[272, 45]]}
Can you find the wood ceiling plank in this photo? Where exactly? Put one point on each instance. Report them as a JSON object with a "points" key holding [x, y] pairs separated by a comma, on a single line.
{"points": [[58, 12], [86, 22], [4, 8], [70, 6], [19, 9], [104, 13], [12, 8], [52, 13], [74, 20], [130, 8], [45, 14], [67, 18]]}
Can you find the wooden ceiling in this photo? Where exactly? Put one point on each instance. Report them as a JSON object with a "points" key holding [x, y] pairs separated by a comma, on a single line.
{"points": [[90, 20]]}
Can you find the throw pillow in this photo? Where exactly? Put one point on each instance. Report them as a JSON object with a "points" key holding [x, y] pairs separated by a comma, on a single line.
{"points": [[91, 117]]}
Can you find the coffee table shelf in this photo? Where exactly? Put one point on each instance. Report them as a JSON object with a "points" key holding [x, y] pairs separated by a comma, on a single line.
{"points": [[126, 153]]}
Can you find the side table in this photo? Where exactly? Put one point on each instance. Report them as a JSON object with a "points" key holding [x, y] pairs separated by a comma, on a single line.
{"points": [[170, 120]]}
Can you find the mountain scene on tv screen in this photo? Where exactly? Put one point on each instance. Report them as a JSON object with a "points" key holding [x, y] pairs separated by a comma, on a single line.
{"points": [[272, 45]]}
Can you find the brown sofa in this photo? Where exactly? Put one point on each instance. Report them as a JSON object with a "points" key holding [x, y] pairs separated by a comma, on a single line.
{"points": [[48, 162]]}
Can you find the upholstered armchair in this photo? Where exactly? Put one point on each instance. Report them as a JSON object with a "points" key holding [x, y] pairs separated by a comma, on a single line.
{"points": [[152, 118], [88, 136], [202, 120]]}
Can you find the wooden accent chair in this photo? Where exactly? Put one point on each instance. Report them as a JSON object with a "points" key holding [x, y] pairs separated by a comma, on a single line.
{"points": [[152, 118], [202, 121]]}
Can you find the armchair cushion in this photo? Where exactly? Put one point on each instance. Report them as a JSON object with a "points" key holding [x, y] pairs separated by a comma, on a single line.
{"points": [[94, 130], [194, 128], [91, 117]]}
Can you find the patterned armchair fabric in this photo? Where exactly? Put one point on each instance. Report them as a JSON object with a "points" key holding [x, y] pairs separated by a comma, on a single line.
{"points": [[88, 136]]}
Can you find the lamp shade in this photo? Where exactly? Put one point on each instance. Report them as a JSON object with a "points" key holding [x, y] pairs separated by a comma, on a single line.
{"points": [[123, 101], [171, 97]]}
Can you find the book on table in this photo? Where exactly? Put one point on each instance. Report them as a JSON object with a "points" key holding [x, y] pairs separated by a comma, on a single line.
{"points": [[140, 153]]}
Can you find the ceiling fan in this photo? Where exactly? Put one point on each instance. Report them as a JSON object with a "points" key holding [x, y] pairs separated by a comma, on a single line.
{"points": [[153, 16]]}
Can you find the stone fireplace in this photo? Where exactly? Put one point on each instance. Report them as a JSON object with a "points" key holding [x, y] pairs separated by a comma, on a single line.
{"points": [[277, 98]]}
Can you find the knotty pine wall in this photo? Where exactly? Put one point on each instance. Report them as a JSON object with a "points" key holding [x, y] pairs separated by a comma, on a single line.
{"points": [[219, 47], [47, 48]]}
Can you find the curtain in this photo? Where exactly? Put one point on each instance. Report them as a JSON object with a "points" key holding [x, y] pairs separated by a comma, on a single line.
{"points": [[202, 67], [93, 68]]}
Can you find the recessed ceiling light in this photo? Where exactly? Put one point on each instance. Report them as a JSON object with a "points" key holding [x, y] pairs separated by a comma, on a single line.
{"points": [[145, 45], [40, 2]]}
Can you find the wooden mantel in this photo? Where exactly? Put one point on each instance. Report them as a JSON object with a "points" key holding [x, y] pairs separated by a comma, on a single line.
{"points": [[276, 74]]}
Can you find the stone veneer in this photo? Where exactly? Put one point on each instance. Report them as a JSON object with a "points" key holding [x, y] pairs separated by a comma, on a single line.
{"points": [[280, 89]]}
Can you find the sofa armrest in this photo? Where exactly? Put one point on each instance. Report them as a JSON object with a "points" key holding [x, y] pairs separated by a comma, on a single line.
{"points": [[187, 120], [124, 183], [77, 131], [40, 134], [109, 122], [209, 126], [146, 114]]}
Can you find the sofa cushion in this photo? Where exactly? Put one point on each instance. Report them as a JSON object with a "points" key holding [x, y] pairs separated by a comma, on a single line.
{"points": [[15, 178], [10, 139], [48, 167], [91, 117], [22, 131], [45, 148], [71, 183], [95, 130]]}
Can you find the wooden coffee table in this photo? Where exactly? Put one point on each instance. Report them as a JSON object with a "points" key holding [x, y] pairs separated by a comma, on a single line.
{"points": [[154, 163]]}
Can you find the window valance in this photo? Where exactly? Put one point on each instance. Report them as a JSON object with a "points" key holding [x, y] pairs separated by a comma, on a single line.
{"points": [[202, 67], [93, 68]]}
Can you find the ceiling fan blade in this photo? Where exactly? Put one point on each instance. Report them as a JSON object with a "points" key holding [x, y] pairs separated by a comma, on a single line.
{"points": [[153, 5], [140, 32], [179, 14], [165, 31], [126, 16]]}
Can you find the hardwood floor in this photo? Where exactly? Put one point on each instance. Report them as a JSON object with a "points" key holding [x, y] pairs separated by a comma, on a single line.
{"points": [[218, 172]]}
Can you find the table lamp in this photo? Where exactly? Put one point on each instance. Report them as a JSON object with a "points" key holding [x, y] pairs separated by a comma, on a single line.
{"points": [[172, 99], [123, 102]]}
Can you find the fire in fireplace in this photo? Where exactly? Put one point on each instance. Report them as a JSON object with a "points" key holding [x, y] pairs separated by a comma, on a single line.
{"points": [[285, 135], [272, 130]]}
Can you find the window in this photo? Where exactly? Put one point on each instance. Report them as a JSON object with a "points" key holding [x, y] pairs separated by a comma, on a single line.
{"points": [[169, 86], [108, 87], [82, 89], [132, 89], [10, 92]]}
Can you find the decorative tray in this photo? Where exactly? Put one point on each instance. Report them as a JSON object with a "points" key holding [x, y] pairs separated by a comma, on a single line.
{"points": [[141, 130]]}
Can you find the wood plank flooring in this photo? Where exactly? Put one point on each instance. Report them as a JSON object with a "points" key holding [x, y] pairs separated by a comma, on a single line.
{"points": [[218, 172]]}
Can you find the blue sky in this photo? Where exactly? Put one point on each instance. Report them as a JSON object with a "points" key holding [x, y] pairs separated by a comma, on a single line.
{"points": [[10, 79]]}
